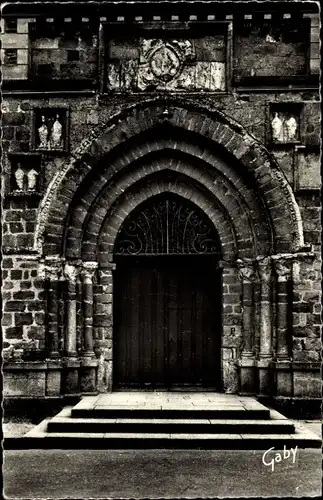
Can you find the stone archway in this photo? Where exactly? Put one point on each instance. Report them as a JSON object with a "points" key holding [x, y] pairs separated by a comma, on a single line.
{"points": [[208, 159]]}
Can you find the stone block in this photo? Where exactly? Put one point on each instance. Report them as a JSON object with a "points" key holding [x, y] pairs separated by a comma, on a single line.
{"points": [[87, 379], [53, 382], [307, 384], [15, 384], [230, 373], [308, 170], [231, 336], [22, 56], [14, 40], [36, 383], [15, 72], [46, 43], [23, 295], [70, 380], [284, 382], [23, 319]]}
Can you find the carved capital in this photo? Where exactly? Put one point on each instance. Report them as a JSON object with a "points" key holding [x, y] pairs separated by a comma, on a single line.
{"points": [[246, 271], [283, 269], [88, 270], [70, 272], [265, 269], [52, 269]]}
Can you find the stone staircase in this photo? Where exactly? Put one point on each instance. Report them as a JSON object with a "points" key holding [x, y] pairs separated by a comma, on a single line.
{"points": [[168, 420]]}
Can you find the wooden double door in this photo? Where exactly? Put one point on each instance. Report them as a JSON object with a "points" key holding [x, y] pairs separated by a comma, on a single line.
{"points": [[167, 322]]}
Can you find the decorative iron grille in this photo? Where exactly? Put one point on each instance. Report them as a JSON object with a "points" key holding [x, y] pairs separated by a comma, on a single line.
{"points": [[167, 226]]}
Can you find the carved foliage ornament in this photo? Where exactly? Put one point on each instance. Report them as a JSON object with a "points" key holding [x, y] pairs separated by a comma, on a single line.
{"points": [[265, 269], [246, 271], [283, 269], [70, 272]]}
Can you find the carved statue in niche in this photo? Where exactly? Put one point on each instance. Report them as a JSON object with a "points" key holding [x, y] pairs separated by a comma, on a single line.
{"points": [[277, 128], [56, 134], [32, 177], [26, 179], [290, 129], [43, 134], [284, 127], [19, 177]]}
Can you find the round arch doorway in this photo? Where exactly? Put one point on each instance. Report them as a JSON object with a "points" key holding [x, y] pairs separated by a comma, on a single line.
{"points": [[167, 298]]}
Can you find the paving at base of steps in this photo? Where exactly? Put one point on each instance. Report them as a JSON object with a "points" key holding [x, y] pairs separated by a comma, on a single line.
{"points": [[160, 473]]}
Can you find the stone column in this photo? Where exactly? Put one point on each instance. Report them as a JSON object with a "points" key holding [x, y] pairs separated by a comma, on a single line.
{"points": [[88, 271], [283, 268], [265, 272], [265, 352], [284, 380], [52, 274], [247, 364], [70, 272], [88, 363], [71, 362]]}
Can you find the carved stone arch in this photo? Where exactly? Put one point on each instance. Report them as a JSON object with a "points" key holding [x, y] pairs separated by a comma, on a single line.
{"points": [[223, 130], [216, 177], [115, 219], [229, 208]]}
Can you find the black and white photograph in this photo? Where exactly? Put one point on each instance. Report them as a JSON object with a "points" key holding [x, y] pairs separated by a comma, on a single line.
{"points": [[161, 257]]}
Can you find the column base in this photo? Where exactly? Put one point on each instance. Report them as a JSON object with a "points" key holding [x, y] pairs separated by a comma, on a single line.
{"points": [[247, 376], [70, 379], [88, 374], [54, 355], [265, 375], [284, 378]]}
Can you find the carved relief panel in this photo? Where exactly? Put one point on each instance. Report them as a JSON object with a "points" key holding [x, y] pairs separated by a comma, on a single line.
{"points": [[50, 130], [25, 174], [183, 62]]}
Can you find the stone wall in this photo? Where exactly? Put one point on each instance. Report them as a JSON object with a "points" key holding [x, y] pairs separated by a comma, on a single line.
{"points": [[56, 52], [23, 289]]}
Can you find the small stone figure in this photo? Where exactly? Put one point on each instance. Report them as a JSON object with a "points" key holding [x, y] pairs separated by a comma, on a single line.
{"points": [[270, 39], [56, 136], [19, 176], [32, 179], [43, 134], [290, 129], [276, 127]]}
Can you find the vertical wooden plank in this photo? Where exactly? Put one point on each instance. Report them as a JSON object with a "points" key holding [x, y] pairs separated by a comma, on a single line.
{"points": [[145, 320], [161, 351], [133, 327], [172, 306], [199, 335]]}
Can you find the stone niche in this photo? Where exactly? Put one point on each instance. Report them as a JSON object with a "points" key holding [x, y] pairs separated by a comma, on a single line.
{"points": [[178, 62], [50, 130], [284, 123], [25, 174]]}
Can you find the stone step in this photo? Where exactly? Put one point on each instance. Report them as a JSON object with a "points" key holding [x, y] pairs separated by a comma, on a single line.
{"points": [[172, 413], [39, 438], [63, 423]]}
